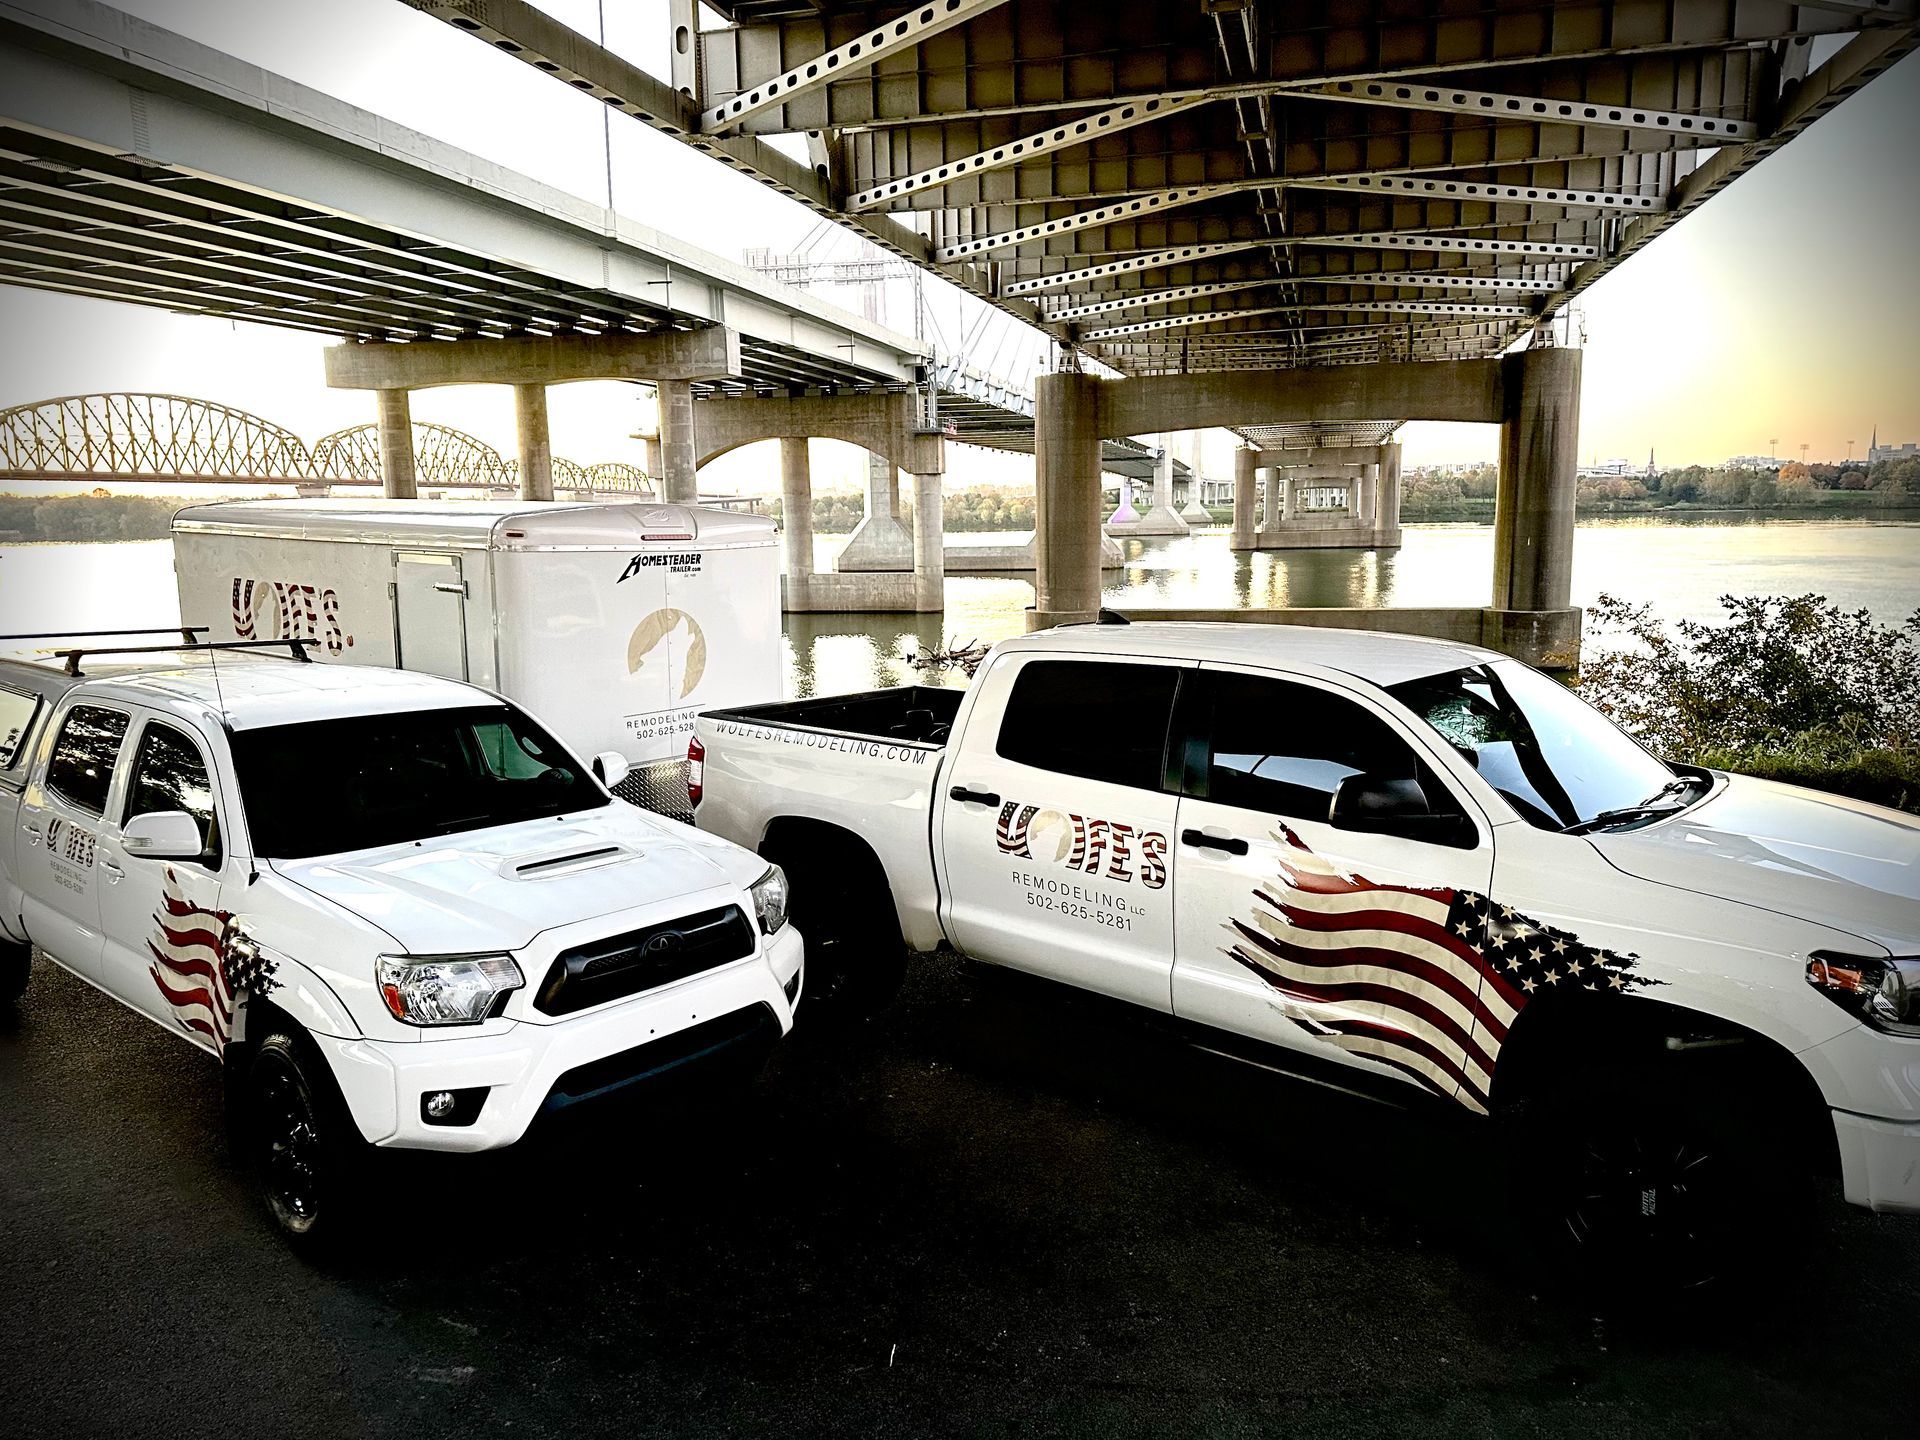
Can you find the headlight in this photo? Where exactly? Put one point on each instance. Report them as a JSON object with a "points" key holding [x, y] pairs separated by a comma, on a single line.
{"points": [[446, 989], [1884, 993], [770, 899]]}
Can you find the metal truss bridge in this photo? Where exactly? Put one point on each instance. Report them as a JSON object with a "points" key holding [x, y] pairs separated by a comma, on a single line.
{"points": [[137, 165], [159, 439]]}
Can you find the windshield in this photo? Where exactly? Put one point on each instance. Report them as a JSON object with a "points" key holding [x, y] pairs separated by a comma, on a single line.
{"points": [[1558, 761], [366, 781]]}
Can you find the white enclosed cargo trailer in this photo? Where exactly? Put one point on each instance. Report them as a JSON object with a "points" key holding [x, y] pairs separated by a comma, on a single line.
{"points": [[614, 623]]}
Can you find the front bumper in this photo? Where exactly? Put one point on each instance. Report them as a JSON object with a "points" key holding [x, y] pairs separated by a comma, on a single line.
{"points": [[1879, 1163], [530, 1068]]}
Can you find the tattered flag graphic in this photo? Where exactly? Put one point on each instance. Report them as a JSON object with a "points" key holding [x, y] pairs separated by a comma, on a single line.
{"points": [[1427, 981], [198, 968]]}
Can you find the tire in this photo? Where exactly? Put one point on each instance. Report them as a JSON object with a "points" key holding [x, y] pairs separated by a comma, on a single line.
{"points": [[16, 968], [856, 960], [297, 1141], [1651, 1187]]}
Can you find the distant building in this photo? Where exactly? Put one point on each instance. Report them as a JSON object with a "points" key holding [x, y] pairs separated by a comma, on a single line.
{"points": [[1754, 462], [1607, 469], [1908, 451]]}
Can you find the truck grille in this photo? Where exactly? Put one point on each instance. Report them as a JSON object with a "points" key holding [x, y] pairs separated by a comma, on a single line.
{"points": [[640, 960]]}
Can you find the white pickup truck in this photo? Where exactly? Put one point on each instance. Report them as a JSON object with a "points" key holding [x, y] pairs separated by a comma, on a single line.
{"points": [[398, 911], [1397, 865]]}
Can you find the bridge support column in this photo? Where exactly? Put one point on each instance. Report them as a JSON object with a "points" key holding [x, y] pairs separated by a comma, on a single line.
{"points": [[1066, 451], [796, 519], [929, 545], [678, 482], [1195, 511], [1532, 611], [1386, 519], [1245, 478], [396, 445], [1161, 518], [1283, 497], [880, 541], [536, 452]]}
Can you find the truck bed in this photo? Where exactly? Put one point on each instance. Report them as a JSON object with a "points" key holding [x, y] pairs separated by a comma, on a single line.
{"points": [[917, 714]]}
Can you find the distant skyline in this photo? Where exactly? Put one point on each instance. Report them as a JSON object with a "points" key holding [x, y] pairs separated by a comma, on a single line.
{"points": [[1788, 307]]}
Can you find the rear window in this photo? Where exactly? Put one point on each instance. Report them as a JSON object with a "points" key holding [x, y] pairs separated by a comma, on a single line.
{"points": [[81, 771], [16, 718], [1098, 721]]}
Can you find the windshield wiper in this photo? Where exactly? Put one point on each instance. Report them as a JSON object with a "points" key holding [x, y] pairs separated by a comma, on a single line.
{"points": [[1643, 810]]}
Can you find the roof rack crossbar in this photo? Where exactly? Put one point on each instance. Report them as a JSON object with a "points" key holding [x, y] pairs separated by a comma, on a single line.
{"points": [[297, 646], [185, 632]]}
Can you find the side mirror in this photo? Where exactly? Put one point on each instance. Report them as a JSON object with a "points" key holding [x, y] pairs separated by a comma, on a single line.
{"points": [[610, 768], [1384, 805], [163, 835]]}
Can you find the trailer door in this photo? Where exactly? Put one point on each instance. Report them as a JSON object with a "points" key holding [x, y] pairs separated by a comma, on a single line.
{"points": [[430, 613]]}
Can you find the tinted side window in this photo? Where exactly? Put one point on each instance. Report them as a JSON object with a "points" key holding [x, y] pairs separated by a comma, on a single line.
{"points": [[1100, 722], [16, 714], [171, 775], [1283, 748], [82, 766]]}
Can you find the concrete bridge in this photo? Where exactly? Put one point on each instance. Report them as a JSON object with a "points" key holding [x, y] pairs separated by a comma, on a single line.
{"points": [[1297, 222]]}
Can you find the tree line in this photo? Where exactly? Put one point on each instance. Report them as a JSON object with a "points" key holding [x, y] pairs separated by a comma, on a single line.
{"points": [[1430, 493]]}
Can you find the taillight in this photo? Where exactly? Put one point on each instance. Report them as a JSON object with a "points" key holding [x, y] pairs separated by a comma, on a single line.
{"points": [[696, 770]]}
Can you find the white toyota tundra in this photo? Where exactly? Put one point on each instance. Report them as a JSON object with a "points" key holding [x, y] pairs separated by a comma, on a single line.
{"points": [[1394, 864], [394, 906]]}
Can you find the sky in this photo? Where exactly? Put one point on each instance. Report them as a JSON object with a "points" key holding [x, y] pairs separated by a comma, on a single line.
{"points": [[1787, 309]]}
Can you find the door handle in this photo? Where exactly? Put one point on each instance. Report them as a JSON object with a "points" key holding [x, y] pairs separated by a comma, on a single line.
{"points": [[973, 797], [1213, 842], [114, 872], [451, 587], [33, 830]]}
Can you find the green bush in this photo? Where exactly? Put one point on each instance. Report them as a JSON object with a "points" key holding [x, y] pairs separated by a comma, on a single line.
{"points": [[1790, 688]]}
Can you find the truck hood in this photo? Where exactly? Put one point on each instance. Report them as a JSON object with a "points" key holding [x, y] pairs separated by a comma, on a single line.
{"points": [[496, 889], [1835, 862]]}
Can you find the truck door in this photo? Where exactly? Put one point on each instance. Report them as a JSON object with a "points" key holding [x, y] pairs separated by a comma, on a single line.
{"points": [[1356, 948], [1054, 833], [61, 815], [163, 930], [430, 613]]}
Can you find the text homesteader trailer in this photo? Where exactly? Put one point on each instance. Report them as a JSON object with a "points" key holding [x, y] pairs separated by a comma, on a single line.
{"points": [[615, 624]]}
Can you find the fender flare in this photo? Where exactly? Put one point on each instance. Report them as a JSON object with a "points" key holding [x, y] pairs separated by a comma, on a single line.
{"points": [[303, 997]]}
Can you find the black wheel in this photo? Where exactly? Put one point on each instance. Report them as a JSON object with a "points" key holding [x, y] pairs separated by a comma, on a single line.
{"points": [[855, 958], [298, 1140], [16, 966], [1648, 1188]]}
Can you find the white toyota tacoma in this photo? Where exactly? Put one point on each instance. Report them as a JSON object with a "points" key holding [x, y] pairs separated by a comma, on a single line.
{"points": [[1398, 865], [395, 907]]}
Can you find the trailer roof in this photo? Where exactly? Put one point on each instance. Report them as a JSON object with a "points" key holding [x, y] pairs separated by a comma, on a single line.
{"points": [[482, 524]]}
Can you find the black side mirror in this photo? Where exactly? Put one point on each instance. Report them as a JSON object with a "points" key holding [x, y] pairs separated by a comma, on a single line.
{"points": [[1387, 805]]}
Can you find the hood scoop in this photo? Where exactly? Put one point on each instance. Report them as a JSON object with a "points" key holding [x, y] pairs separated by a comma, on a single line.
{"points": [[564, 861]]}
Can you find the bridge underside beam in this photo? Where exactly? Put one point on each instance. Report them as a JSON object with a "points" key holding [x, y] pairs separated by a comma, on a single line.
{"points": [[707, 354]]}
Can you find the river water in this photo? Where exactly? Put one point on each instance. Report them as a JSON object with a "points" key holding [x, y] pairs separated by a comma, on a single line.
{"points": [[1679, 568]]}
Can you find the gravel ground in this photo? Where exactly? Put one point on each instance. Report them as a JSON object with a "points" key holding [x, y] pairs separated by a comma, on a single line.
{"points": [[1000, 1210]]}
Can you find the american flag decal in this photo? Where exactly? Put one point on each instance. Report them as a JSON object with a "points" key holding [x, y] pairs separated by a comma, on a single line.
{"points": [[1427, 981], [198, 968]]}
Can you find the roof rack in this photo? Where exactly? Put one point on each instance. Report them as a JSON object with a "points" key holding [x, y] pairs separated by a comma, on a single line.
{"points": [[297, 648], [185, 632]]}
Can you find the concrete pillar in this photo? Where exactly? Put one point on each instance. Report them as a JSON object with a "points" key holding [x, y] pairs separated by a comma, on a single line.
{"points": [[1289, 493], [881, 540], [1245, 478], [1369, 494], [678, 485], [1066, 453], [1161, 518], [929, 545], [1386, 522], [1533, 506], [796, 518], [1124, 516], [1195, 511], [396, 445], [536, 453]]}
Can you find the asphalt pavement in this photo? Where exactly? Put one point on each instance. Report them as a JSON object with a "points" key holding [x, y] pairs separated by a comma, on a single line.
{"points": [[1001, 1210]]}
